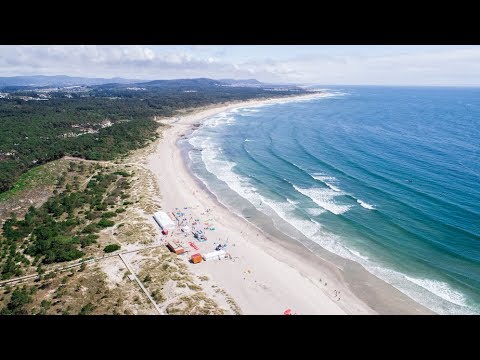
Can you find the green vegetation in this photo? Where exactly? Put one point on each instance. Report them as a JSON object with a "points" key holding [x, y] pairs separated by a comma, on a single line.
{"points": [[105, 223], [32, 178], [36, 132], [111, 248], [20, 297], [87, 309], [99, 124], [63, 227]]}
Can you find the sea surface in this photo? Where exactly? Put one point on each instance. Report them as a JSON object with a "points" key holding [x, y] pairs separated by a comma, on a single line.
{"points": [[388, 177]]}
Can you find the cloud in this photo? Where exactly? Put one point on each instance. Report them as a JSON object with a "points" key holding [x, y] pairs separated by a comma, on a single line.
{"points": [[414, 65], [97, 60], [441, 67]]}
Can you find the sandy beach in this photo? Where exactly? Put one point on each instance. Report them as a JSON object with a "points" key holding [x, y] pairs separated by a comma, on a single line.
{"points": [[264, 274]]}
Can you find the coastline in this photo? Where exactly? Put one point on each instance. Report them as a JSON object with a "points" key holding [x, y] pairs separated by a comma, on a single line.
{"points": [[270, 273]]}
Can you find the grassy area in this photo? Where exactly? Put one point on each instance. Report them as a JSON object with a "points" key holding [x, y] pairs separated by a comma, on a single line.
{"points": [[44, 175], [84, 291]]}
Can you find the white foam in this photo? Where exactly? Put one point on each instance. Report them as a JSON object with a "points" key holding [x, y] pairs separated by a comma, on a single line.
{"points": [[324, 198], [289, 100], [195, 141], [285, 211], [327, 180], [227, 117], [250, 110], [223, 170], [292, 202], [365, 205], [440, 289], [315, 211], [435, 295], [246, 140], [334, 188], [356, 253], [323, 177], [334, 244], [223, 118]]}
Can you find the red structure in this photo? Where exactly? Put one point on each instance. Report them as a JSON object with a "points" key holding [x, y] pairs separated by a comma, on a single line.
{"points": [[196, 258]]}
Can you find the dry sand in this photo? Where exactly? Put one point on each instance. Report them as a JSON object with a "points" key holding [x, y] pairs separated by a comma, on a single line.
{"points": [[265, 275]]}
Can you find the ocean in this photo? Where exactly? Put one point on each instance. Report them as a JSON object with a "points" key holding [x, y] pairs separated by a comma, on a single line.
{"points": [[388, 177]]}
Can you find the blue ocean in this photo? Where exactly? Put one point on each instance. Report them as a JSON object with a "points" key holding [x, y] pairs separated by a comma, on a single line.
{"points": [[388, 177]]}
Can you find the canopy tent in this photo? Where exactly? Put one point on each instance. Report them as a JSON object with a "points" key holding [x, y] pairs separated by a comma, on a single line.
{"points": [[163, 220]]}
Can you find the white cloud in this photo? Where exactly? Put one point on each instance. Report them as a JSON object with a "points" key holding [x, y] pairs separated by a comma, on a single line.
{"points": [[418, 65]]}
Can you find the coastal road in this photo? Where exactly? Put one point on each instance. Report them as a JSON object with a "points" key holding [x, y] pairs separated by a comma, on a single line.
{"points": [[77, 264], [127, 264]]}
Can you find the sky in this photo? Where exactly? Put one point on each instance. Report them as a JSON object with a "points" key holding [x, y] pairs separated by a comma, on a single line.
{"points": [[306, 64]]}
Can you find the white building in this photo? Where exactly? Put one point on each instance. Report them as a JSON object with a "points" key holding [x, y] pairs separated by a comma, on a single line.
{"points": [[214, 255], [163, 220]]}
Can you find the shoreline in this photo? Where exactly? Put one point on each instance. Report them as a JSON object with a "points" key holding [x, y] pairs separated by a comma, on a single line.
{"points": [[271, 272]]}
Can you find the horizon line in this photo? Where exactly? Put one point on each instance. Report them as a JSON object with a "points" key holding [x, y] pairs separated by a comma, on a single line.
{"points": [[238, 79]]}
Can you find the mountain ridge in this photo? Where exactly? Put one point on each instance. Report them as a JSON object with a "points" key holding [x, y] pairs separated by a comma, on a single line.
{"points": [[65, 80]]}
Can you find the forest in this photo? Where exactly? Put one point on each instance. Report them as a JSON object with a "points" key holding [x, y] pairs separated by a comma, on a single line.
{"points": [[98, 123]]}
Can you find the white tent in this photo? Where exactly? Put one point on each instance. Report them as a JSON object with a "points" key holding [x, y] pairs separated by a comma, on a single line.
{"points": [[214, 255], [163, 220]]}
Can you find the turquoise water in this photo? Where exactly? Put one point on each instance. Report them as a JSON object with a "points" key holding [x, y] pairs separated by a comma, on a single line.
{"points": [[387, 177]]}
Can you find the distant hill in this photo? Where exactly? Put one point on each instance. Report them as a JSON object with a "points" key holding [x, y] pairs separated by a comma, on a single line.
{"points": [[200, 82], [247, 82], [255, 83], [59, 81], [16, 83], [204, 82]]}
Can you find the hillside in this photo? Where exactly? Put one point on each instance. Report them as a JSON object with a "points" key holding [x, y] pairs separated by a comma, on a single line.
{"points": [[58, 80]]}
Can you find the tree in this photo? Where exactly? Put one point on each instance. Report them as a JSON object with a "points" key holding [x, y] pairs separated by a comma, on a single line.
{"points": [[111, 248], [103, 223], [18, 300]]}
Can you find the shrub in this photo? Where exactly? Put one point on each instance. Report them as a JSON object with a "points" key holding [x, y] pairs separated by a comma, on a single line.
{"points": [[88, 240], [16, 306], [111, 248], [105, 223], [108, 214], [89, 229], [87, 309]]}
